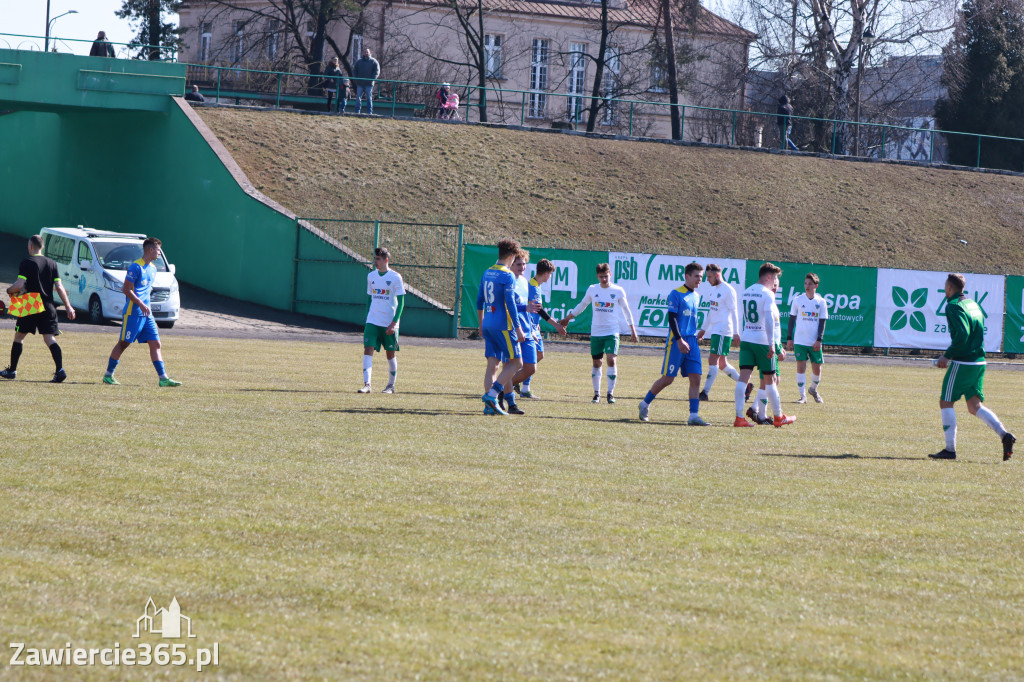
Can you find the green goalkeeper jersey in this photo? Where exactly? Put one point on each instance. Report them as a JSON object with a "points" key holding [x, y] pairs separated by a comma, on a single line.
{"points": [[966, 324]]}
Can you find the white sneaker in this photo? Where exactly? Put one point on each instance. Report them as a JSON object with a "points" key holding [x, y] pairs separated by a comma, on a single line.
{"points": [[390, 388], [802, 400], [814, 394], [364, 389], [644, 412]]}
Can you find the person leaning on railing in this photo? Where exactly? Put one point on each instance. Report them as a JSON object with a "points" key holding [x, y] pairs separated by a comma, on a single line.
{"points": [[100, 47]]}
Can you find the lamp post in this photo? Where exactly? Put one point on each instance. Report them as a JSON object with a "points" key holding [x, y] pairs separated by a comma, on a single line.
{"points": [[865, 43], [50, 22]]}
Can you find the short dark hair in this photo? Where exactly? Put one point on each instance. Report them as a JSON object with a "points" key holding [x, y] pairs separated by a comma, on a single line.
{"points": [[151, 241], [544, 265], [713, 267], [957, 281], [813, 277], [769, 268], [603, 267], [694, 267], [36, 241], [506, 248], [381, 252]]}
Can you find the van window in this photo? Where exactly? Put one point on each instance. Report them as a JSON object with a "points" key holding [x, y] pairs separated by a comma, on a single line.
{"points": [[59, 248], [119, 255], [84, 254]]}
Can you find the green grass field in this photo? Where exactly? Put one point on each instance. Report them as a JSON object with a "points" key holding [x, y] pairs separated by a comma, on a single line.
{"points": [[315, 533]]}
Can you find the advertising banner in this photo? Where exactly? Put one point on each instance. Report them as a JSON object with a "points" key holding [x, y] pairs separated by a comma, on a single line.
{"points": [[648, 279], [911, 310], [850, 292], [574, 272], [1013, 341]]}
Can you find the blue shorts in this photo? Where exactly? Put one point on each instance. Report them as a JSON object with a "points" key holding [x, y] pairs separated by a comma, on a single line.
{"points": [[501, 344], [675, 362], [136, 328], [530, 349]]}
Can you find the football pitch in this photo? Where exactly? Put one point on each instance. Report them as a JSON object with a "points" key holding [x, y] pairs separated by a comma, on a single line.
{"points": [[310, 532]]}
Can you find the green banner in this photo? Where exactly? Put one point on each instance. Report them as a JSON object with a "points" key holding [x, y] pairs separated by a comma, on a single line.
{"points": [[574, 272], [1013, 327], [850, 292]]}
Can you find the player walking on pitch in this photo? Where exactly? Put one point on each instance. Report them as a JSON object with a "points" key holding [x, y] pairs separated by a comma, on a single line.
{"points": [[609, 305], [386, 292], [964, 362], [137, 324], [757, 347], [807, 318], [723, 322], [682, 354], [499, 320], [37, 280]]}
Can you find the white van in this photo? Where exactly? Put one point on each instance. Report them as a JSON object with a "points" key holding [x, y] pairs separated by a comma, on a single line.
{"points": [[92, 265]]}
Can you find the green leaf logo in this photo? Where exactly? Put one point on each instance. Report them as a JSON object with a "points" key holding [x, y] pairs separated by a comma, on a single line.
{"points": [[898, 321], [899, 296], [919, 299], [917, 321]]}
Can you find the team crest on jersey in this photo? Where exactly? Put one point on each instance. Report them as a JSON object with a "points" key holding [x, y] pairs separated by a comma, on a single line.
{"points": [[388, 282], [613, 296]]}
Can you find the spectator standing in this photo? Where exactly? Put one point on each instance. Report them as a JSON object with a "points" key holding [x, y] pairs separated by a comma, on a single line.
{"points": [[365, 72], [335, 83], [785, 122], [100, 47], [194, 95]]}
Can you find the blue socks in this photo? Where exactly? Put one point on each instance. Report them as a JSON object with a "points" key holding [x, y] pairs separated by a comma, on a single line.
{"points": [[111, 366], [649, 398], [694, 405], [159, 364]]}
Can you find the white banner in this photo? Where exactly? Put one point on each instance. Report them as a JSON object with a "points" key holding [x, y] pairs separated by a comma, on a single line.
{"points": [[649, 278], [911, 308]]}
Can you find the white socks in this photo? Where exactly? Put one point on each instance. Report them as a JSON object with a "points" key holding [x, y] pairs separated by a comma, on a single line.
{"points": [[741, 398], [611, 380], [762, 403], [989, 417], [949, 426], [775, 399], [595, 375], [367, 368], [731, 372], [815, 380], [393, 368], [712, 375], [801, 383]]}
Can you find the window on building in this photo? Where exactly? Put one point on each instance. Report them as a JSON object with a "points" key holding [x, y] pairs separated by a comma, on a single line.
{"points": [[610, 85], [273, 36], [356, 46], [492, 55], [205, 41], [238, 43], [659, 70], [577, 81], [538, 78]]}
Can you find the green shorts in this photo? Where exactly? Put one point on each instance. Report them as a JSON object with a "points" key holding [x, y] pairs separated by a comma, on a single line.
{"points": [[803, 353], [720, 345], [376, 337], [599, 345], [963, 381], [756, 355]]}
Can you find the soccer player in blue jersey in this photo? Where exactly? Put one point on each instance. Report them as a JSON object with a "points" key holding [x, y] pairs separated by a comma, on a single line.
{"points": [[533, 347], [138, 325], [499, 324], [682, 354]]}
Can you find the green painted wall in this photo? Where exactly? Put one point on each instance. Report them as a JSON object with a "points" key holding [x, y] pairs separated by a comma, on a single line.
{"points": [[77, 162]]}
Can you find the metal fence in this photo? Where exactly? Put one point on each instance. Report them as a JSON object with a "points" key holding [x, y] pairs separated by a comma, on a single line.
{"points": [[17, 41], [428, 255]]}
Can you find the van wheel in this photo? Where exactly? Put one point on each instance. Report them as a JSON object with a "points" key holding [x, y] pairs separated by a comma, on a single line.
{"points": [[165, 325], [95, 310]]}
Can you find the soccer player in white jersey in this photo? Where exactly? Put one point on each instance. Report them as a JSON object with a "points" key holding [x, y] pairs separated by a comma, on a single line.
{"points": [[758, 412], [757, 348], [387, 300], [806, 330], [722, 321], [610, 306]]}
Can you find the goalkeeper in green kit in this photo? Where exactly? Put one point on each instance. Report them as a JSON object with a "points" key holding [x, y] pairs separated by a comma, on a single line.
{"points": [[965, 373]]}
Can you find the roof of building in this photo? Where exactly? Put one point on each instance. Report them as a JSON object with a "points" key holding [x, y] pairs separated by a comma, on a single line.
{"points": [[645, 13]]}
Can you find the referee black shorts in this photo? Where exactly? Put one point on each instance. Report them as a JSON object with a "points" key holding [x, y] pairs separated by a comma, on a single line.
{"points": [[44, 323]]}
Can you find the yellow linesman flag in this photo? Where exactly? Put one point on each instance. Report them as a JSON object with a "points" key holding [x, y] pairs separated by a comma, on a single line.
{"points": [[26, 304]]}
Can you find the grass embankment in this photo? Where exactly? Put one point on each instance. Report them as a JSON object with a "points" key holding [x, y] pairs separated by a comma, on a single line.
{"points": [[616, 194], [315, 533]]}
